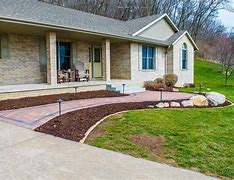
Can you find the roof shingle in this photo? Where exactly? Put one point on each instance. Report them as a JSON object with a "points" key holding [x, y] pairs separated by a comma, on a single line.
{"points": [[39, 12]]}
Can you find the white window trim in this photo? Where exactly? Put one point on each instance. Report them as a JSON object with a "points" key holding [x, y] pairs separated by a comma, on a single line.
{"points": [[181, 58], [154, 59]]}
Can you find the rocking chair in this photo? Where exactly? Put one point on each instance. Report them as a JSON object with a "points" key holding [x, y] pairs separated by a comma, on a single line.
{"points": [[80, 73]]}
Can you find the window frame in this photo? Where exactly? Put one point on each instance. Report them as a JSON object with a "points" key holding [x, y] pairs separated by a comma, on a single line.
{"points": [[0, 46], [4, 46], [184, 49], [147, 58]]}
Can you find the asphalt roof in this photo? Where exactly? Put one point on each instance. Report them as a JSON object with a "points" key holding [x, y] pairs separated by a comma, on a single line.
{"points": [[35, 11]]}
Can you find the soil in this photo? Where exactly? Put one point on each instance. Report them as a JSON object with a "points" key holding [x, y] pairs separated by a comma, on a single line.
{"points": [[100, 129], [150, 143], [74, 125], [41, 100]]}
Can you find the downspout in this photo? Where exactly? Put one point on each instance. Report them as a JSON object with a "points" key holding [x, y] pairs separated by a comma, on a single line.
{"points": [[166, 59]]}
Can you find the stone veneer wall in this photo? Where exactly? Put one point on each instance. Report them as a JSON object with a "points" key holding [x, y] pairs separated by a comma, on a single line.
{"points": [[83, 49], [120, 61], [23, 65]]}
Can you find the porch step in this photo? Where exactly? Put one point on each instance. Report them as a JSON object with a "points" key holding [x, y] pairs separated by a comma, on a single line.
{"points": [[130, 87]]}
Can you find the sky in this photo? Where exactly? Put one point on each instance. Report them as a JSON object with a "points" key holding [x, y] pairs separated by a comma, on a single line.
{"points": [[227, 18]]}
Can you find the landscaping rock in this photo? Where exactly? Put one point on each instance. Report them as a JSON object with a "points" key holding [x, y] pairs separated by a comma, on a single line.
{"points": [[166, 105], [187, 103], [175, 104], [176, 89], [199, 101], [216, 98], [150, 106], [160, 105]]}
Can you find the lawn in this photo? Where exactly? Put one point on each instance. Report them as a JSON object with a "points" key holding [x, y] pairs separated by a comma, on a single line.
{"points": [[208, 75], [197, 139]]}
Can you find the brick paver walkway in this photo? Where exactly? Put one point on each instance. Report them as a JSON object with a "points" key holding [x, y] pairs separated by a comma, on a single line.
{"points": [[33, 117]]}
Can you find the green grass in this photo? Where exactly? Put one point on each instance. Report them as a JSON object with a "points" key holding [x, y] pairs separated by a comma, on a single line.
{"points": [[201, 139], [208, 75]]}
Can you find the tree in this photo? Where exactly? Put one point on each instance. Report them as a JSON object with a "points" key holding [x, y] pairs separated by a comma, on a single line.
{"points": [[225, 49]]}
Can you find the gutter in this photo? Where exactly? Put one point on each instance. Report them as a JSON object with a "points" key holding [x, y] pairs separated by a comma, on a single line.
{"points": [[73, 29]]}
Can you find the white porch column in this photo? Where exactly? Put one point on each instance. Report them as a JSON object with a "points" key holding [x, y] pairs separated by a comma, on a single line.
{"points": [[106, 59], [51, 58]]}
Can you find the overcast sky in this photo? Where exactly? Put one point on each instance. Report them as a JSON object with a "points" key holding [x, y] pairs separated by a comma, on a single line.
{"points": [[227, 18]]}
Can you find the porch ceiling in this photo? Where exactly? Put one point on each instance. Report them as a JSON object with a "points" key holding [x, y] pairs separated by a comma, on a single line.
{"points": [[25, 29]]}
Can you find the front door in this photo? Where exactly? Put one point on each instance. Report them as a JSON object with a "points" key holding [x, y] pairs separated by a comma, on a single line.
{"points": [[97, 62], [63, 55]]}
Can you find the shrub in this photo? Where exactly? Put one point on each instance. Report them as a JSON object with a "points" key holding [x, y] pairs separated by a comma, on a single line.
{"points": [[159, 83], [170, 80], [159, 80], [153, 85], [149, 85]]}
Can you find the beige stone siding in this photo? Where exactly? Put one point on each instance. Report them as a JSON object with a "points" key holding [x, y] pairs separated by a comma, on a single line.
{"points": [[83, 49], [23, 65], [139, 75], [120, 61], [106, 59], [185, 76], [160, 31]]}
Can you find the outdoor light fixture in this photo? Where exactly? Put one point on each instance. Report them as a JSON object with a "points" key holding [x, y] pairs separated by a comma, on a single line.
{"points": [[123, 87], [60, 106], [200, 88], [161, 94]]}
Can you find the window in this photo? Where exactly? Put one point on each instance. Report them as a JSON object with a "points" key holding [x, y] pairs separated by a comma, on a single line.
{"points": [[184, 60], [97, 55], [0, 47], [4, 49], [147, 57], [63, 55]]}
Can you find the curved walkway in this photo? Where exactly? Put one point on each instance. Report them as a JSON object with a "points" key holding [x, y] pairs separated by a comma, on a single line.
{"points": [[33, 117]]}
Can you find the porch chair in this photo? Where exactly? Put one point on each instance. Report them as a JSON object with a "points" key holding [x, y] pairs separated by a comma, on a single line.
{"points": [[80, 73], [60, 76]]}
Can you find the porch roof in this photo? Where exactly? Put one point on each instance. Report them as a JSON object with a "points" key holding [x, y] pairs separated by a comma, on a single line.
{"points": [[39, 13]]}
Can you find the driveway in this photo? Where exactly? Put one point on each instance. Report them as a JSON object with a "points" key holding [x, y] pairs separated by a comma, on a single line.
{"points": [[35, 116], [25, 154]]}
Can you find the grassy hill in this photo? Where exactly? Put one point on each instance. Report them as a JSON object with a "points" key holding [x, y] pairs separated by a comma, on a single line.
{"points": [[208, 74]]}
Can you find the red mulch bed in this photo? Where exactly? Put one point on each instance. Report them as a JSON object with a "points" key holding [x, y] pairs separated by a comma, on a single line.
{"points": [[41, 100], [74, 125]]}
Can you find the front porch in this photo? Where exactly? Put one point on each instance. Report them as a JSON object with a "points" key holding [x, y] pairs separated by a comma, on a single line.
{"points": [[37, 54], [32, 90]]}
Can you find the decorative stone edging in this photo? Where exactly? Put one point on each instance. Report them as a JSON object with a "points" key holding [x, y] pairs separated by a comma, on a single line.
{"points": [[99, 122], [103, 119]]}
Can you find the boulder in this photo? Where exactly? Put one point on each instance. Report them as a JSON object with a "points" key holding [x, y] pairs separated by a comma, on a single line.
{"points": [[199, 101], [187, 103], [175, 104], [160, 105], [216, 98], [166, 105]]}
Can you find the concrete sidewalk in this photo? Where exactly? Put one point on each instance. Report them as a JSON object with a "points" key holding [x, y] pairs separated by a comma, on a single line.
{"points": [[33, 117], [25, 154]]}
